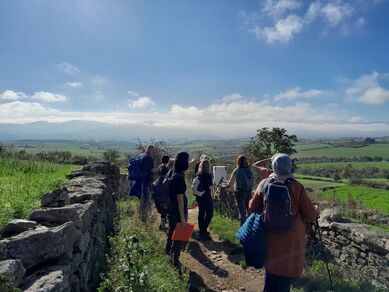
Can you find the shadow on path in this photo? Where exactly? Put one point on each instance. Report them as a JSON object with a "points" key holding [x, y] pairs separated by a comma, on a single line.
{"points": [[195, 251], [197, 283]]}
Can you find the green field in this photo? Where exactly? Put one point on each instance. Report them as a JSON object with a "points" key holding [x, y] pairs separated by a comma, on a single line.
{"points": [[317, 181], [355, 165], [318, 150], [370, 198], [74, 149], [22, 184]]}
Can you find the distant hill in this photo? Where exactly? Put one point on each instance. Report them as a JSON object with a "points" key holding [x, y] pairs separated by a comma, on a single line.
{"points": [[78, 130]]}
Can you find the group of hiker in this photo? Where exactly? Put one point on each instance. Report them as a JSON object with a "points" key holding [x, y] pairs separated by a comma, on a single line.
{"points": [[281, 200]]}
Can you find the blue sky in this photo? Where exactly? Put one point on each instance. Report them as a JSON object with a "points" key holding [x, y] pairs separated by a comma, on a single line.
{"points": [[315, 67]]}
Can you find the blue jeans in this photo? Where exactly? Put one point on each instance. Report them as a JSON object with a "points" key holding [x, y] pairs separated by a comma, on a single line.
{"points": [[276, 283]]}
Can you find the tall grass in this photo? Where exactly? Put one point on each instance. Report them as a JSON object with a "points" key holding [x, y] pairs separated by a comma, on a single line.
{"points": [[22, 183], [137, 261]]}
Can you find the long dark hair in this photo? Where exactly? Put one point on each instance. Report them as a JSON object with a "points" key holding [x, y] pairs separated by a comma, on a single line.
{"points": [[181, 163], [241, 162]]}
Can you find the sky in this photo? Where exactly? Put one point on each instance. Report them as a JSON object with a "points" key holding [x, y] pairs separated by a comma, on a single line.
{"points": [[316, 68]]}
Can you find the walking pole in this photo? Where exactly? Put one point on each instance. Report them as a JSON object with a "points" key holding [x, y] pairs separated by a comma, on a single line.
{"points": [[325, 254]]}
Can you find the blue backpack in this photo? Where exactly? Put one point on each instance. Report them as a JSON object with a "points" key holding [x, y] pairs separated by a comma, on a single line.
{"points": [[244, 179], [134, 169], [135, 174], [277, 216]]}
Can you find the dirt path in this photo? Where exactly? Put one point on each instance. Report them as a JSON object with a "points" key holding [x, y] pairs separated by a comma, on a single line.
{"points": [[212, 266]]}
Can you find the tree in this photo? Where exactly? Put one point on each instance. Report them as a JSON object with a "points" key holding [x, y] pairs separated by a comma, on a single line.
{"points": [[267, 143], [336, 177], [111, 155], [347, 171], [160, 149], [386, 174]]}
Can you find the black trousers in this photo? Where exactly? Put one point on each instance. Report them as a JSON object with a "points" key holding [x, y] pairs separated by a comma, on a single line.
{"points": [[205, 211], [173, 247]]}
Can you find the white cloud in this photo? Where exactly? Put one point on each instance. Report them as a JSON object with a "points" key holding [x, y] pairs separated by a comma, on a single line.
{"points": [[336, 12], [355, 119], [367, 89], [12, 95], [279, 21], [74, 84], [283, 31], [141, 102], [224, 119], [133, 93], [296, 93], [68, 68], [48, 97], [232, 97], [278, 8], [25, 111], [185, 112]]}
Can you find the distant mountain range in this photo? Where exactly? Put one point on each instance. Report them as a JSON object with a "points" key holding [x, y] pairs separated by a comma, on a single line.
{"points": [[88, 130], [78, 130]]}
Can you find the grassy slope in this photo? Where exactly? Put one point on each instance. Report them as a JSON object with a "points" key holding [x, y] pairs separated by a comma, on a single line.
{"points": [[318, 150], [22, 184], [370, 198], [356, 165], [139, 266]]}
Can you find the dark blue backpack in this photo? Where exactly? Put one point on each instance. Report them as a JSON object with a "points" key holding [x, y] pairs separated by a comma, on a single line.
{"points": [[134, 169], [136, 176], [277, 216]]}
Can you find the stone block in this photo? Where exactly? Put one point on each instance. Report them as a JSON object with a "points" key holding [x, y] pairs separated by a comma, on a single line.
{"points": [[17, 226], [55, 216], [40, 245], [48, 279], [13, 269], [56, 198]]}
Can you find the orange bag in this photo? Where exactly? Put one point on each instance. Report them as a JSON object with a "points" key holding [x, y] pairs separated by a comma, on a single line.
{"points": [[181, 233]]}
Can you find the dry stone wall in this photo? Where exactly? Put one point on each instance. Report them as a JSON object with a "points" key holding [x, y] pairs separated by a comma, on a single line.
{"points": [[61, 246], [360, 251]]}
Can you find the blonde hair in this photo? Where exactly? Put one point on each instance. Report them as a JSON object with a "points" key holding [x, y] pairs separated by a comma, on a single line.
{"points": [[204, 167], [205, 157]]}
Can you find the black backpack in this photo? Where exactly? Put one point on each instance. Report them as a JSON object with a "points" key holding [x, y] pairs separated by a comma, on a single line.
{"points": [[161, 192]]}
